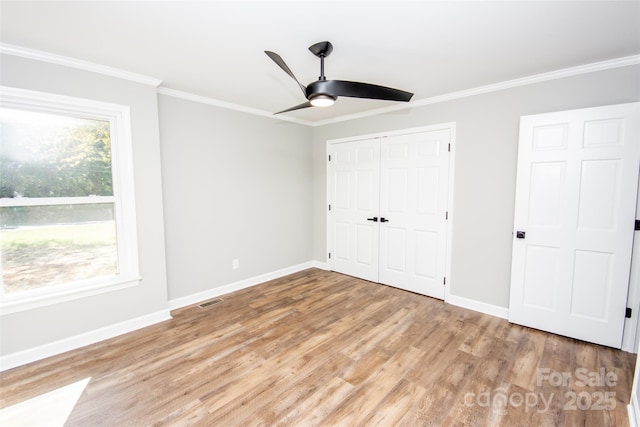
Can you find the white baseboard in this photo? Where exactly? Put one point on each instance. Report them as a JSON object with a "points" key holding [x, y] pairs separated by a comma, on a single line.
{"points": [[47, 350], [236, 286], [482, 307]]}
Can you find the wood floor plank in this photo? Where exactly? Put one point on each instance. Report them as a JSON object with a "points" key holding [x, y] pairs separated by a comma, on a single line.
{"points": [[321, 348], [314, 410], [358, 406], [395, 405]]}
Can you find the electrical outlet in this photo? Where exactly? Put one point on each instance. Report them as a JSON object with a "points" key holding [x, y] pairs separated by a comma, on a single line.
{"points": [[236, 264]]}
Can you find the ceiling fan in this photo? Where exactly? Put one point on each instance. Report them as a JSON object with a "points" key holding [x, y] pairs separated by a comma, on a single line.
{"points": [[323, 92]]}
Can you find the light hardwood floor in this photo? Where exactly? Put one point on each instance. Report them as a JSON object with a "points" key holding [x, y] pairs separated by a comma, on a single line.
{"points": [[320, 348]]}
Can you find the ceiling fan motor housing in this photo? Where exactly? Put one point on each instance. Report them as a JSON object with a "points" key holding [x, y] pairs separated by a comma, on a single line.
{"points": [[320, 87]]}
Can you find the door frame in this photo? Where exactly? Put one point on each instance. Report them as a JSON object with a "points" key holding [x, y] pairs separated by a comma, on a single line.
{"points": [[451, 126], [631, 332]]}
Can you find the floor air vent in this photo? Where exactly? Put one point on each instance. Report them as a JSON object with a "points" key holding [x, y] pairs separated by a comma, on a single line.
{"points": [[210, 302]]}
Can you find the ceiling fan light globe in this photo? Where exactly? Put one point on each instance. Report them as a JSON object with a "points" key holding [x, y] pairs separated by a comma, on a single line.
{"points": [[322, 101]]}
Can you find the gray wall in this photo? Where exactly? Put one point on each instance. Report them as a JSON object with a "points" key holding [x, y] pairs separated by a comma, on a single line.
{"points": [[485, 167], [236, 186], [40, 326]]}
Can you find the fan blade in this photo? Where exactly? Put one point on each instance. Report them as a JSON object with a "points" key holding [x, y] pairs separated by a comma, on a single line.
{"points": [[362, 90], [297, 107], [278, 60]]}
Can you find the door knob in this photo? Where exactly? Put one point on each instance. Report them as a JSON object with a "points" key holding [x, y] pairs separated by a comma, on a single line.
{"points": [[374, 219], [383, 219], [520, 234]]}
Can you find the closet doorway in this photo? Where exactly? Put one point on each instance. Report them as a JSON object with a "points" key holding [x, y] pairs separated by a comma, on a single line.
{"points": [[389, 217]]}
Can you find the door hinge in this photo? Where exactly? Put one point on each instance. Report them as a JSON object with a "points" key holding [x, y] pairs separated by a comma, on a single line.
{"points": [[329, 157], [449, 148], [628, 312], [329, 207], [446, 215], [329, 255], [444, 280], [637, 227]]}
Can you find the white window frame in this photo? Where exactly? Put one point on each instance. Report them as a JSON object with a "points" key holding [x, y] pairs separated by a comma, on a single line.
{"points": [[123, 198]]}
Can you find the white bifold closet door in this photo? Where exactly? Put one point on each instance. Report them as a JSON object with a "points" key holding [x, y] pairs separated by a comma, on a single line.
{"points": [[574, 221], [388, 217]]}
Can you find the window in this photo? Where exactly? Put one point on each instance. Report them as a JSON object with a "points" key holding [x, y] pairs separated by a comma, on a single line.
{"points": [[67, 209]]}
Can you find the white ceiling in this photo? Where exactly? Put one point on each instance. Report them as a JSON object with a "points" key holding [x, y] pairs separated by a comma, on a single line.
{"points": [[215, 48]]}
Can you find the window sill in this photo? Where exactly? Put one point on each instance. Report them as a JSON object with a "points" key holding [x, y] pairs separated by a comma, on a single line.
{"points": [[63, 294]]}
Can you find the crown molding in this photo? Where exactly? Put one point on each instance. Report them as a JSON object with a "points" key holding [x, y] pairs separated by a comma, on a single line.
{"points": [[77, 63], [227, 105], [139, 78], [536, 78]]}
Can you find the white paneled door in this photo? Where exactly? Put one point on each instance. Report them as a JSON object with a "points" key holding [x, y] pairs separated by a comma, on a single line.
{"points": [[574, 221], [354, 181], [388, 209], [413, 202]]}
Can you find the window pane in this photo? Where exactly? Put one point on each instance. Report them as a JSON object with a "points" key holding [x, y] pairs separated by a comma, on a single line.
{"points": [[52, 245], [52, 155]]}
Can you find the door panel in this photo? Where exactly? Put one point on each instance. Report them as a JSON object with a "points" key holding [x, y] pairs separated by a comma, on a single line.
{"points": [[396, 190], [428, 189], [575, 199], [427, 251], [546, 194], [599, 193], [592, 274], [365, 253], [541, 277], [414, 191], [342, 241], [354, 181], [396, 245]]}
